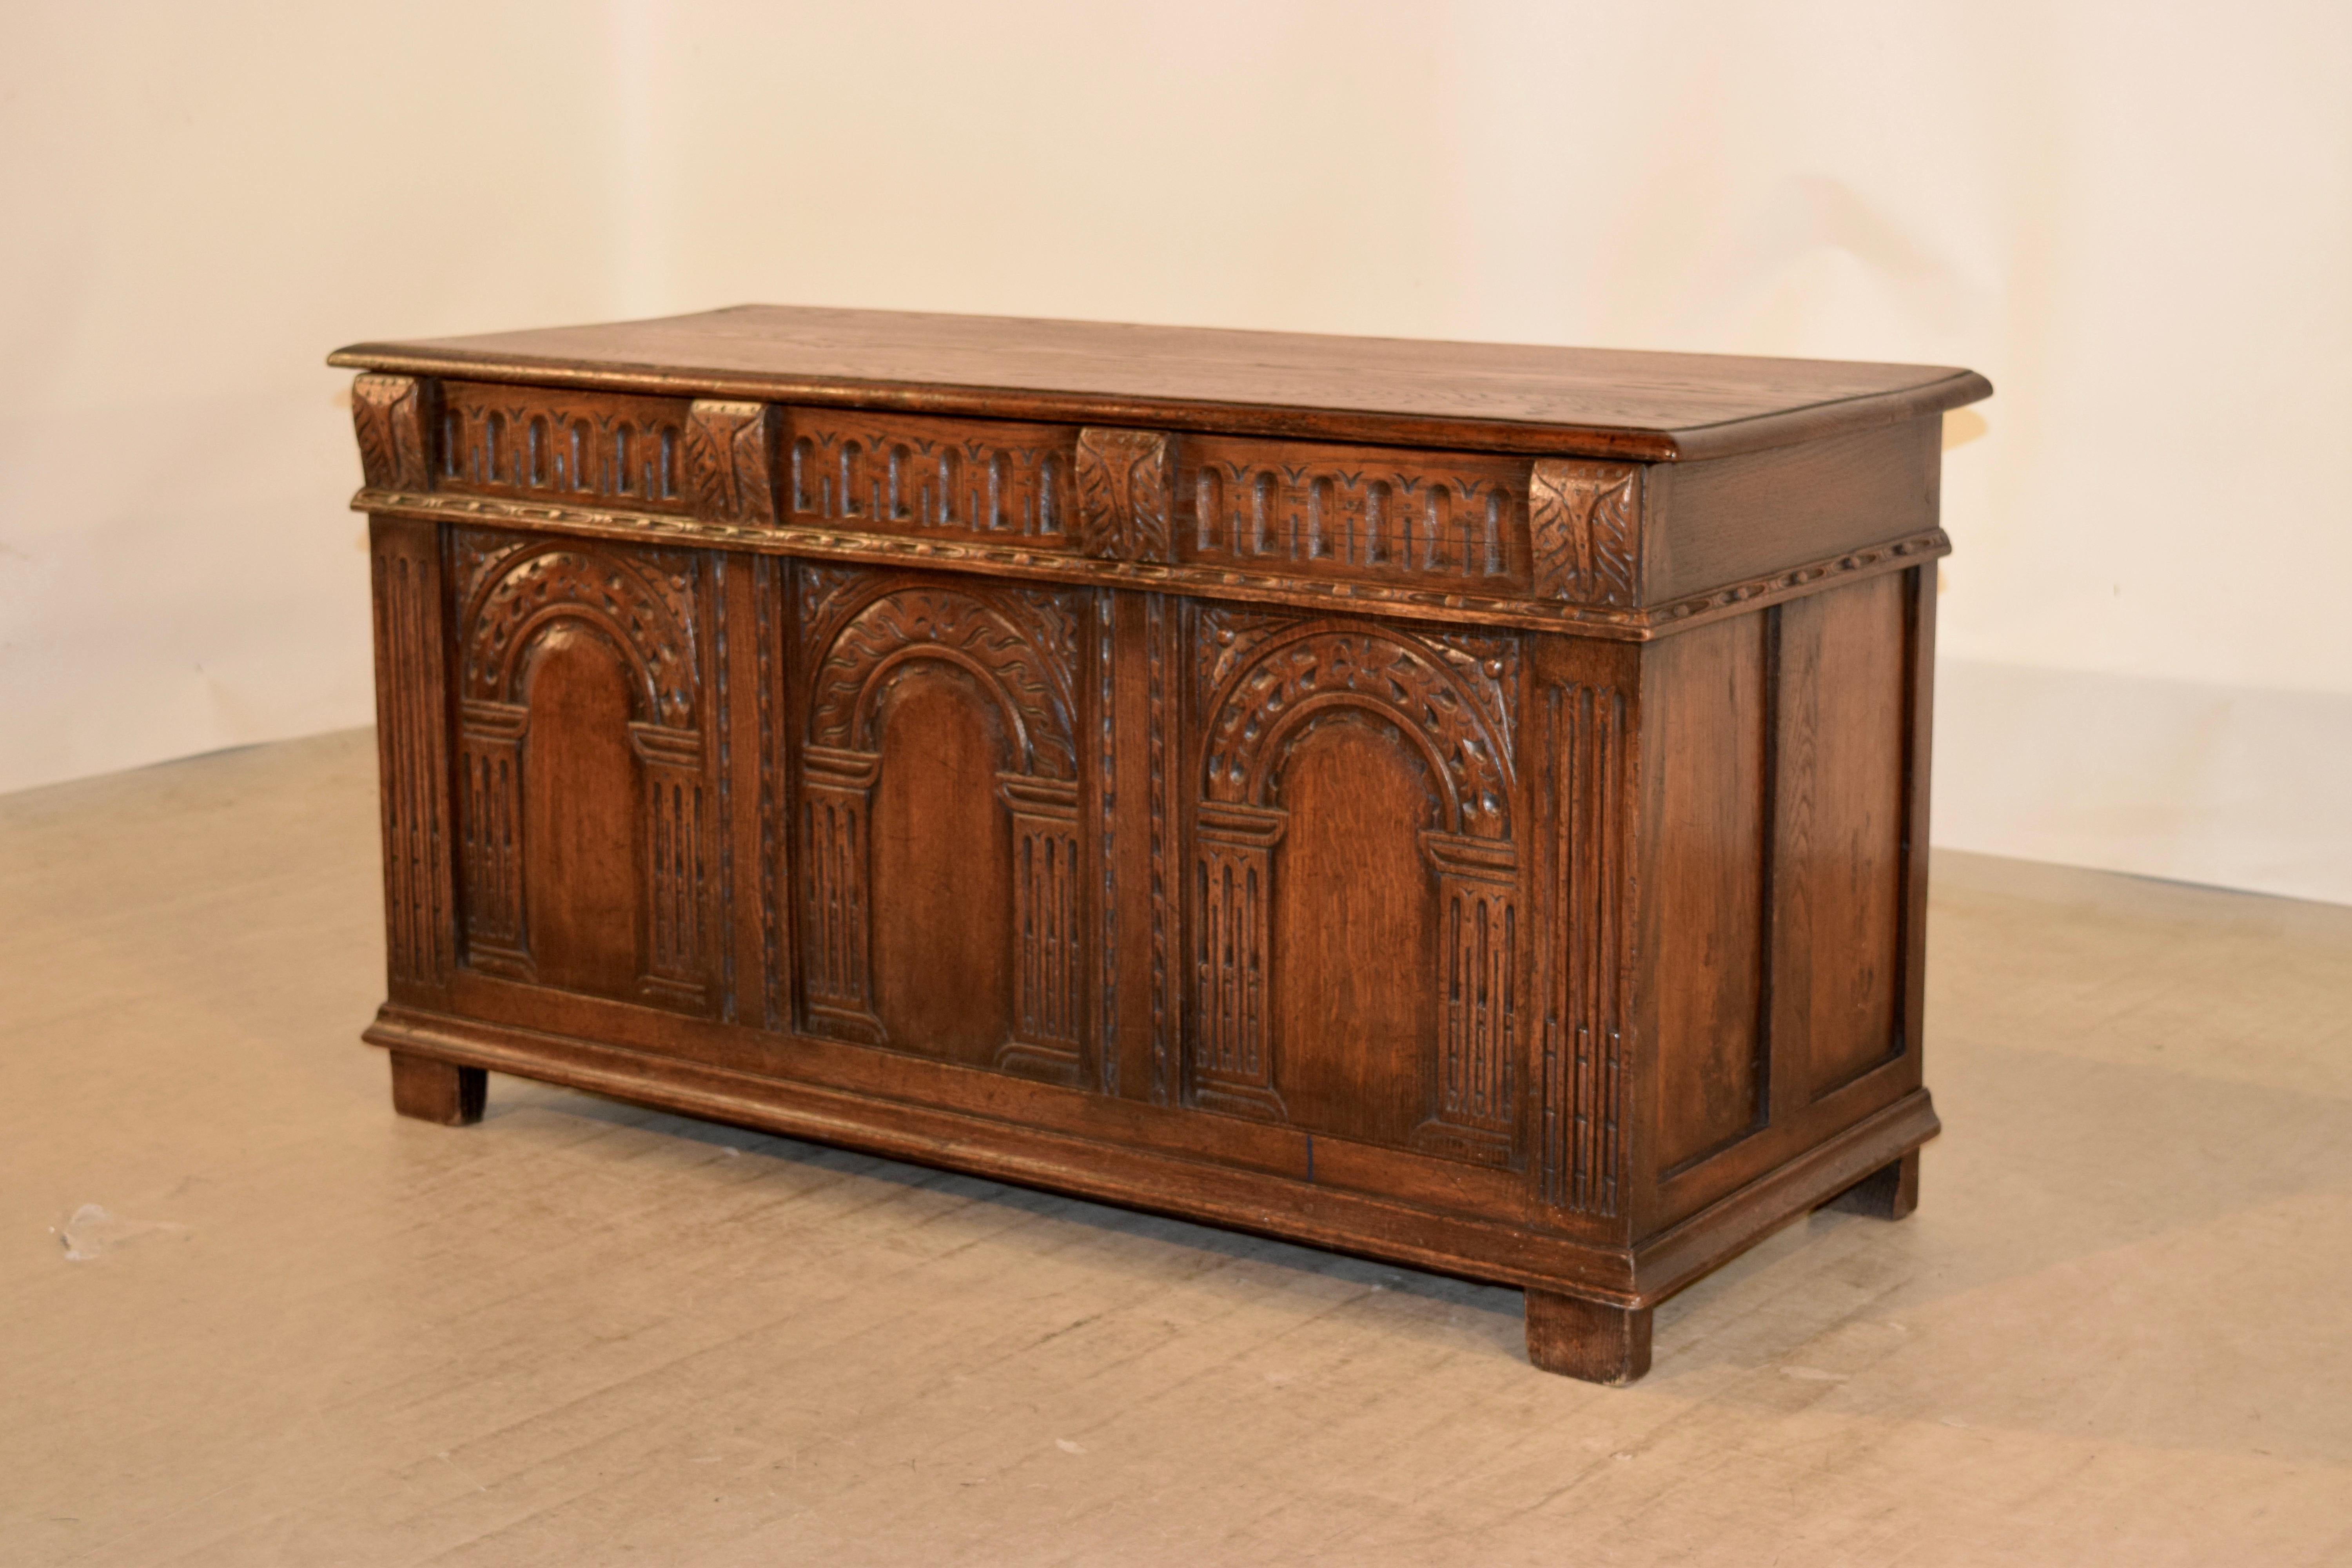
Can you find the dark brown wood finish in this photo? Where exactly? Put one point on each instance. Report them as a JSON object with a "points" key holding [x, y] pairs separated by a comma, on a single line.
{"points": [[1587, 1339], [1458, 804], [432, 1090], [1598, 403]]}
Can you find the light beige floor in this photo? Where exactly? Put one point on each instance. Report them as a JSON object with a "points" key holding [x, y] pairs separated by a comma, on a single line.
{"points": [[286, 1327]]}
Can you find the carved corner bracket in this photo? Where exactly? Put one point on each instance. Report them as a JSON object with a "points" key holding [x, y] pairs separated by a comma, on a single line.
{"points": [[1584, 523], [730, 461], [394, 416], [1126, 481]]}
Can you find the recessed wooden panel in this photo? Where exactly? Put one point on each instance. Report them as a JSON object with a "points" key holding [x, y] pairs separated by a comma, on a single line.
{"points": [[943, 948], [1705, 804], [1355, 916], [1838, 856], [582, 817], [1332, 748], [572, 656], [939, 736]]}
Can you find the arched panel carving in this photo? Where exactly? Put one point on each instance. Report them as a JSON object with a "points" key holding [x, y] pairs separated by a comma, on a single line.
{"points": [[1017, 648], [1266, 683], [1451, 697], [643, 601], [639, 604], [1020, 645]]}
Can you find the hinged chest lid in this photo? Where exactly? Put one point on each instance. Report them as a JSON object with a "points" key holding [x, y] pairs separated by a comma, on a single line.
{"points": [[1590, 403]]}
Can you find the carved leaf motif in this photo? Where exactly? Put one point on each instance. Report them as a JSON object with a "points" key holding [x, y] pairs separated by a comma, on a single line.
{"points": [[726, 461], [1486, 664], [1582, 521], [824, 590], [1123, 494], [1050, 617], [1228, 638], [388, 416]]}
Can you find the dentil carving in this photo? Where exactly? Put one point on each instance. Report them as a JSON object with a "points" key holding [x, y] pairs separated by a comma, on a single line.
{"points": [[539, 442], [1431, 516]]}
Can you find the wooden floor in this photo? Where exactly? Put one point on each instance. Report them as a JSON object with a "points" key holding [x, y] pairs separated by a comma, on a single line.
{"points": [[248, 1317]]}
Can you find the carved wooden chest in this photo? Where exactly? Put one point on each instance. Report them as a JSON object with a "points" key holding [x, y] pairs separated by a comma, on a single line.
{"points": [[1458, 804]]}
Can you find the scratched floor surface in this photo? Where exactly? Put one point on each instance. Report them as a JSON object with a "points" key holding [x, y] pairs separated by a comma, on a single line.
{"points": [[248, 1317]]}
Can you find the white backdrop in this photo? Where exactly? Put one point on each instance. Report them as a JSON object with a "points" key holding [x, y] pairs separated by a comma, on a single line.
{"points": [[2135, 219]]}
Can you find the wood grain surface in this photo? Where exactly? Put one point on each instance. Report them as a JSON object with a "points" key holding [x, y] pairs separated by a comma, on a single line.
{"points": [[1214, 817], [1590, 402]]}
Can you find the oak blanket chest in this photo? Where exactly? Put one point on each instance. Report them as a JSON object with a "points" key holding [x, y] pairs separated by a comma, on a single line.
{"points": [[1458, 804]]}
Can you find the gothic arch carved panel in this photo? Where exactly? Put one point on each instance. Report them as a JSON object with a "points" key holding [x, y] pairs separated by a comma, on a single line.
{"points": [[518, 596], [869, 636], [1268, 683]]}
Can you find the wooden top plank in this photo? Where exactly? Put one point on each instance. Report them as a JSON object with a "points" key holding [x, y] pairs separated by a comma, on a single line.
{"points": [[1600, 403]]}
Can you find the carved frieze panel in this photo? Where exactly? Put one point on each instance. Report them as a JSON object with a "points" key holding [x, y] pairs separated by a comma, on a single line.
{"points": [[1269, 683], [1436, 520], [547, 444], [1584, 520], [520, 595], [963, 479]]}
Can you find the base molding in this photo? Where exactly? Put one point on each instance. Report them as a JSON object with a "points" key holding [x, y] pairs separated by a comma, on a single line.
{"points": [[431, 1050]]}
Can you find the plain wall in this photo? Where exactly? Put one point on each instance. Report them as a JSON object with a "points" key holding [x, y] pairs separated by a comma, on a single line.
{"points": [[2134, 218]]}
